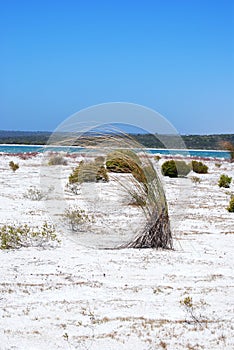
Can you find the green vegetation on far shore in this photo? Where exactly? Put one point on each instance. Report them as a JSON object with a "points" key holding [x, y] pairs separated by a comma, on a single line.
{"points": [[208, 142]]}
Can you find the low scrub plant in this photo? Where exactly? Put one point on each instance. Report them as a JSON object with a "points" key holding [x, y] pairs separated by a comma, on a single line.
{"points": [[230, 208], [175, 168], [89, 172], [126, 161], [224, 181], [195, 179], [13, 166], [76, 218], [199, 167], [187, 303], [34, 194], [122, 161], [157, 158], [57, 159], [17, 236]]}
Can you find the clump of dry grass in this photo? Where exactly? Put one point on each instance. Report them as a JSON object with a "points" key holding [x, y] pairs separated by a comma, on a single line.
{"points": [[120, 155]]}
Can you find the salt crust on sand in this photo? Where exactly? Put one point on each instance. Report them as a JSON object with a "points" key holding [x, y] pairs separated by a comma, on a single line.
{"points": [[74, 297]]}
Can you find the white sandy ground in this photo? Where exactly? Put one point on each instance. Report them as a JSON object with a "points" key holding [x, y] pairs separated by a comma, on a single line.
{"points": [[75, 297]]}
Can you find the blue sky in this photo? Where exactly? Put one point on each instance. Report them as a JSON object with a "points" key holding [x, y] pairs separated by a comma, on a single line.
{"points": [[175, 56]]}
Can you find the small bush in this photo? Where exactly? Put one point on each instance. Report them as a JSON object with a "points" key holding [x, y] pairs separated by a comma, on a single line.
{"points": [[122, 161], [224, 181], [34, 194], [199, 167], [14, 237], [88, 172], [13, 166], [57, 159], [175, 168], [231, 205], [196, 180], [157, 158], [102, 174], [126, 161], [76, 217], [218, 165]]}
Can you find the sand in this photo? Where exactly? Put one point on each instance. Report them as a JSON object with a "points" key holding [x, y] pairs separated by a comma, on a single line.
{"points": [[73, 296]]}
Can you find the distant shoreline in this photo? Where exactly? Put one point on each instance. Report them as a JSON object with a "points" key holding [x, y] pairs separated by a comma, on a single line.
{"points": [[147, 148], [202, 154], [154, 141]]}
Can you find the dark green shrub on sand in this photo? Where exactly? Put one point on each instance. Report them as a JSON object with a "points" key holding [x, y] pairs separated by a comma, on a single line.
{"points": [[126, 161], [199, 167], [122, 161], [231, 205], [224, 181], [13, 166], [175, 168]]}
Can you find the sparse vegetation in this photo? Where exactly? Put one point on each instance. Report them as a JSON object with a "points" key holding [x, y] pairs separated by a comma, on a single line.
{"points": [[157, 158], [123, 161], [230, 208], [13, 166], [34, 194], [89, 172], [102, 174], [187, 303], [224, 181], [175, 168], [76, 218], [195, 179], [57, 159], [14, 237], [199, 167]]}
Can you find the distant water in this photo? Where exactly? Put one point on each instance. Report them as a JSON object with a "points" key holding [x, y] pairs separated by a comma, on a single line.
{"points": [[192, 153]]}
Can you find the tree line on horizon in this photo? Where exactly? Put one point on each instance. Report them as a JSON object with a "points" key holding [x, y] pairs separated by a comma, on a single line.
{"points": [[214, 142]]}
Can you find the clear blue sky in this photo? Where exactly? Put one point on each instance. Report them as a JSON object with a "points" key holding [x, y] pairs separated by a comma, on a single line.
{"points": [[175, 56]]}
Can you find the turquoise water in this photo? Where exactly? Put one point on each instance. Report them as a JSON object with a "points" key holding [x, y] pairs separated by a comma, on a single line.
{"points": [[192, 153]]}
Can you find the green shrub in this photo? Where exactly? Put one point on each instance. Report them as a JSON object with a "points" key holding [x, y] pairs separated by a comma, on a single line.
{"points": [[57, 159], [175, 168], [14, 237], [102, 174], [199, 167], [89, 172], [76, 217], [126, 161], [224, 181], [122, 161], [231, 205], [13, 166]]}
